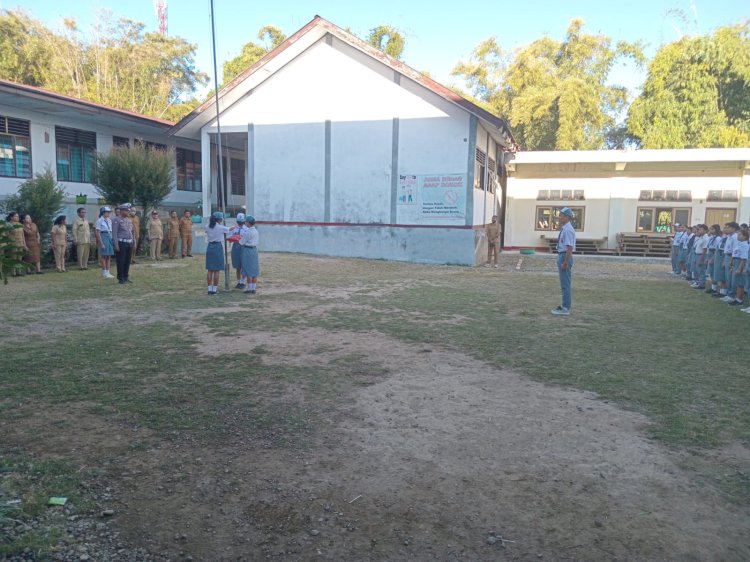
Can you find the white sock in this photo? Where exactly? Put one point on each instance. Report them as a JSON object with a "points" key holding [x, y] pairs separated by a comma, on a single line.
{"points": [[723, 292], [252, 286], [713, 286]]}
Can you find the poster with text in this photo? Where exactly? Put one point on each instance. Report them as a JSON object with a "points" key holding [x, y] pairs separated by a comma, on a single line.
{"points": [[443, 196], [407, 189]]}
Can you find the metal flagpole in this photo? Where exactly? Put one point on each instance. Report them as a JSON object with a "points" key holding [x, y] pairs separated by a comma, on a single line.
{"points": [[222, 193]]}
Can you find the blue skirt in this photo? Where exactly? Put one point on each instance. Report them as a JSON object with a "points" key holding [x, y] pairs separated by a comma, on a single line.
{"points": [[236, 256], [214, 257], [109, 249], [250, 263]]}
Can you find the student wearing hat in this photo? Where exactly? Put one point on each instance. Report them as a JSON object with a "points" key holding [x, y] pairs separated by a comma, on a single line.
{"points": [[103, 229], [123, 238], [676, 247], [215, 232], [566, 245], [236, 232], [250, 263], [155, 234]]}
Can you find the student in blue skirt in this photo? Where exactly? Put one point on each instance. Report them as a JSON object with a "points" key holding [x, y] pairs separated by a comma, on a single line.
{"points": [[250, 264], [215, 232], [236, 232]]}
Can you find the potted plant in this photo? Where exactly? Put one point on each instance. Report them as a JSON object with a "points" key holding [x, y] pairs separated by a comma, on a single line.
{"points": [[81, 199]]}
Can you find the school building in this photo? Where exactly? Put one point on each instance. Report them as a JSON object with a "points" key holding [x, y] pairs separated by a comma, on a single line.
{"points": [[338, 149]]}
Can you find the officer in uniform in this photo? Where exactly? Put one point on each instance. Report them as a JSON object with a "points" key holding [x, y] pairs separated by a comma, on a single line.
{"points": [[136, 220], [492, 231], [173, 234], [124, 241], [82, 238], [186, 234], [155, 230]]}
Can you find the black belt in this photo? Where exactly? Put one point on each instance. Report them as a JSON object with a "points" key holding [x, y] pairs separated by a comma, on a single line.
{"points": [[246, 246]]}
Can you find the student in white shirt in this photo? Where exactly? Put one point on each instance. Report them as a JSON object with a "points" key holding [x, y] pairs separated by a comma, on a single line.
{"points": [[731, 244], [250, 264], [215, 232], [700, 249], [104, 244], [739, 266]]}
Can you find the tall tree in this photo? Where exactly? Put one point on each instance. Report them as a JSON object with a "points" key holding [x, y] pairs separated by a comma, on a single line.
{"points": [[387, 39], [555, 93], [121, 66], [252, 52], [697, 93]]}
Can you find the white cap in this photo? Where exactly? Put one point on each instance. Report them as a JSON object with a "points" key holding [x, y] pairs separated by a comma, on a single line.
{"points": [[240, 217]]}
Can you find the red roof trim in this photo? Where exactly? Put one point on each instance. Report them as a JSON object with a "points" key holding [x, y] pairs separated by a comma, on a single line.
{"points": [[62, 97], [357, 43]]}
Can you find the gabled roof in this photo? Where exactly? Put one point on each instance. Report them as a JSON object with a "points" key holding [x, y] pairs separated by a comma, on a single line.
{"points": [[45, 101], [310, 33]]}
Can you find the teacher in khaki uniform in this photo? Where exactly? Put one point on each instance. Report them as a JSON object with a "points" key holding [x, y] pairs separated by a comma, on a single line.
{"points": [[186, 234], [173, 234], [492, 232], [82, 238], [136, 220], [566, 245], [155, 232]]}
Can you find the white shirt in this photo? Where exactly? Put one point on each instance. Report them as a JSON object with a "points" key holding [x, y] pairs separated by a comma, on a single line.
{"points": [[216, 234], [103, 225], [677, 241], [250, 237], [743, 248], [701, 243], [686, 240], [731, 244]]}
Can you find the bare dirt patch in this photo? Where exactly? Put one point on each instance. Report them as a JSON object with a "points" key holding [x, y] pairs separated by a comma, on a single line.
{"points": [[431, 455]]}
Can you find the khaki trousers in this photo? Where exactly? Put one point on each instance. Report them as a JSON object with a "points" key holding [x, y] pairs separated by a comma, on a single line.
{"points": [[187, 244], [83, 251], [493, 249], [172, 247], [59, 251], [135, 248], [155, 247]]}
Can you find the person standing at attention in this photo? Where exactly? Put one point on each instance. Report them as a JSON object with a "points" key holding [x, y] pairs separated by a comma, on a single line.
{"points": [[13, 223], [136, 220], [155, 233], [250, 263], [82, 238], [103, 230], [173, 234], [677, 248], [493, 231], [122, 235], [236, 232], [566, 245], [186, 234], [33, 243], [215, 232], [60, 241]]}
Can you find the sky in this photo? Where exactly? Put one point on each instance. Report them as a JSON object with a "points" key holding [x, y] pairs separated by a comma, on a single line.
{"points": [[439, 33]]}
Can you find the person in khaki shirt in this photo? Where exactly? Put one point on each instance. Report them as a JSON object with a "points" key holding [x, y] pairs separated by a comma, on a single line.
{"points": [[155, 235], [493, 231], [136, 220], [186, 234], [60, 241], [173, 234], [82, 238]]}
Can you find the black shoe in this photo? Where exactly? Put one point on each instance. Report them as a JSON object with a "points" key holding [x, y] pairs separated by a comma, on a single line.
{"points": [[716, 295], [238, 286]]}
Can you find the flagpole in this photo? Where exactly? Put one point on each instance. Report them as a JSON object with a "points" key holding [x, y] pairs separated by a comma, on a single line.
{"points": [[222, 193]]}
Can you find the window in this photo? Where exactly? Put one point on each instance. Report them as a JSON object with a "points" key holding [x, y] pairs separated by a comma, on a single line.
{"points": [[76, 154], [188, 170], [120, 142], [560, 195], [491, 175], [480, 167], [723, 195], [148, 145], [15, 148], [665, 195], [548, 218], [660, 219]]}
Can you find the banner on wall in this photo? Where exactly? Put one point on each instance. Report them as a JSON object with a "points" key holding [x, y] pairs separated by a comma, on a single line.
{"points": [[442, 196], [407, 190]]}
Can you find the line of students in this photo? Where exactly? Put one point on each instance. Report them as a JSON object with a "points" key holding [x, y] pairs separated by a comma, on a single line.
{"points": [[244, 238], [714, 259]]}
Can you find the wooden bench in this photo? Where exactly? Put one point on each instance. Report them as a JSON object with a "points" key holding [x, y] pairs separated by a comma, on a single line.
{"points": [[653, 245], [590, 246]]}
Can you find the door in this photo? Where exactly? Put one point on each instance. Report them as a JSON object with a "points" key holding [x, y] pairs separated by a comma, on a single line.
{"points": [[720, 216]]}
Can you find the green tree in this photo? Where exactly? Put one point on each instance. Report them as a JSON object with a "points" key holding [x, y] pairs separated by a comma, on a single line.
{"points": [[252, 52], [697, 93], [41, 197], [555, 94], [121, 65], [135, 174], [387, 39]]}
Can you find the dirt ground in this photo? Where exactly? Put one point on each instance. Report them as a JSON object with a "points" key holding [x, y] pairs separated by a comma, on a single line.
{"points": [[433, 455]]}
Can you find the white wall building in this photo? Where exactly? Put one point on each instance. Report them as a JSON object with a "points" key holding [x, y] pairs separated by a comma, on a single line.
{"points": [[630, 191], [349, 152]]}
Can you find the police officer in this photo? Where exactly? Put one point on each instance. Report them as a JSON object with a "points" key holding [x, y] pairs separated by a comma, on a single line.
{"points": [[186, 234], [124, 239]]}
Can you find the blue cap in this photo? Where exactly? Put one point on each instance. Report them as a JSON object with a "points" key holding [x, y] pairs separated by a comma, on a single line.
{"points": [[567, 212], [105, 209], [250, 218], [218, 215]]}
